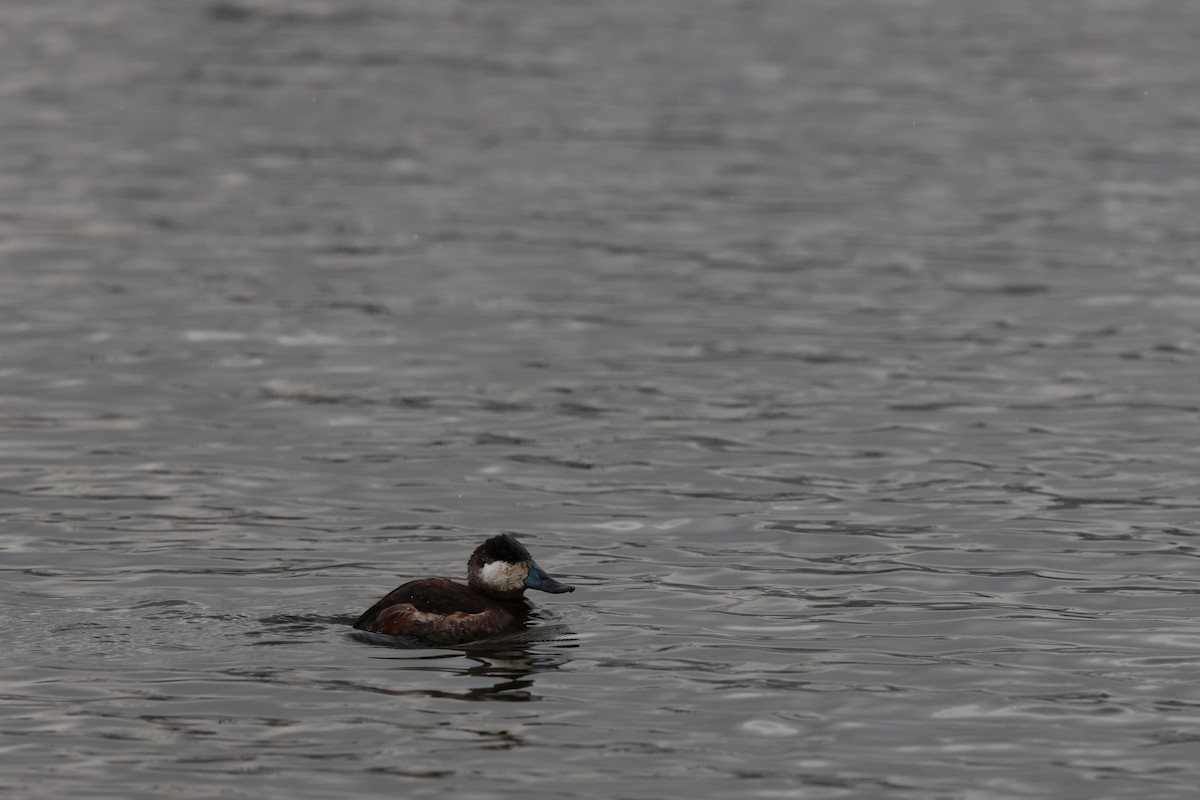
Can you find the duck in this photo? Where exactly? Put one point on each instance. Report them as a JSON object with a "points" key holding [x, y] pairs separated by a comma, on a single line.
{"points": [[442, 611]]}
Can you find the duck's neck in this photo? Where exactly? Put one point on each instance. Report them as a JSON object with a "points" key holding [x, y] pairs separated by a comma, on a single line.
{"points": [[513, 596]]}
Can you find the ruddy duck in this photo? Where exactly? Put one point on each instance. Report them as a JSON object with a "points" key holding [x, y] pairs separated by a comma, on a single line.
{"points": [[443, 611]]}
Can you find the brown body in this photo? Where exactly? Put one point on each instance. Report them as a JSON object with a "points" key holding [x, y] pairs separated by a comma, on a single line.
{"points": [[442, 611]]}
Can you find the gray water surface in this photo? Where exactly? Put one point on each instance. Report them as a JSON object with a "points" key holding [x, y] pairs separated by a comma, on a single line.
{"points": [[843, 354]]}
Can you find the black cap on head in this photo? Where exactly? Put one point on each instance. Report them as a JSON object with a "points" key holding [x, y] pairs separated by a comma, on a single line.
{"points": [[504, 548]]}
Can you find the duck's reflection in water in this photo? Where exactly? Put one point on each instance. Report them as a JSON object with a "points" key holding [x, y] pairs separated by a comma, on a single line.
{"points": [[506, 659]]}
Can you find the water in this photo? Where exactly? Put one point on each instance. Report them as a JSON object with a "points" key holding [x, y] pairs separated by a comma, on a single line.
{"points": [[842, 354]]}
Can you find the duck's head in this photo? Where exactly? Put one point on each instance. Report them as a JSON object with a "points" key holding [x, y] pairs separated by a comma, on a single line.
{"points": [[502, 567]]}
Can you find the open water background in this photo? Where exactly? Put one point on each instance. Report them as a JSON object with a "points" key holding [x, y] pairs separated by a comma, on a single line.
{"points": [[844, 354]]}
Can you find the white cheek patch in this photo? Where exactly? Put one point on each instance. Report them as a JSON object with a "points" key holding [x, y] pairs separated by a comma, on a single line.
{"points": [[505, 577]]}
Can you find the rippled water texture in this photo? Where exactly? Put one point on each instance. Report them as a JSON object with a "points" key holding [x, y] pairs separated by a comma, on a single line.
{"points": [[843, 354]]}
